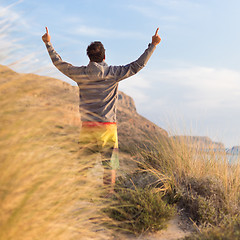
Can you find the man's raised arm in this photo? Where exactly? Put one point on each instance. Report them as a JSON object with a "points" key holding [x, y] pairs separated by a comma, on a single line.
{"points": [[64, 67], [122, 72]]}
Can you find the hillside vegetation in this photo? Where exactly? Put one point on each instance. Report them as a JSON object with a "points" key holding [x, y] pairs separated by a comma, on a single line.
{"points": [[41, 176], [44, 191]]}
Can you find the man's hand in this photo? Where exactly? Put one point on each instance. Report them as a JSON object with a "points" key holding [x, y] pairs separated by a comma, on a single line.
{"points": [[156, 38], [46, 37]]}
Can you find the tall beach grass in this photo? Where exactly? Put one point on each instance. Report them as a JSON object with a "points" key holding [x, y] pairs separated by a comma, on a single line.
{"points": [[44, 193], [196, 178]]}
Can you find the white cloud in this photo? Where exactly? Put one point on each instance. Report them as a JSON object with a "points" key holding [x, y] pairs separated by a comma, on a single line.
{"points": [[165, 11], [10, 21], [136, 81], [203, 100], [13, 50], [136, 88], [204, 87], [10, 18], [151, 12], [192, 89]]}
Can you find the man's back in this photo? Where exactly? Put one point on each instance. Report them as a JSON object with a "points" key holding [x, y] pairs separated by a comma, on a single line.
{"points": [[97, 92], [98, 83]]}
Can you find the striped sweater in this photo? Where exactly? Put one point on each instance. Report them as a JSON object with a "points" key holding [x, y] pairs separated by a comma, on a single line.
{"points": [[98, 83]]}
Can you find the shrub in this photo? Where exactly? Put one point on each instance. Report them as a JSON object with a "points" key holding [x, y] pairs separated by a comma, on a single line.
{"points": [[140, 210], [204, 201]]}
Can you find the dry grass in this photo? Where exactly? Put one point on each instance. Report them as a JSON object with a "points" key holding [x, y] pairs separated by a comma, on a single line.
{"points": [[194, 176], [201, 182], [44, 193]]}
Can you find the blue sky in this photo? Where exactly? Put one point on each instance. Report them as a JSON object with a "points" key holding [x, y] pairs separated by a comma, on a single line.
{"points": [[192, 81]]}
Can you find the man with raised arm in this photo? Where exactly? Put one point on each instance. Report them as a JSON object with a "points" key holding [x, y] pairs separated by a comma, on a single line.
{"points": [[98, 89]]}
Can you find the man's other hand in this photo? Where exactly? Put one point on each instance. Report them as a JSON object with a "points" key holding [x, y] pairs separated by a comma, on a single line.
{"points": [[46, 37], [156, 38]]}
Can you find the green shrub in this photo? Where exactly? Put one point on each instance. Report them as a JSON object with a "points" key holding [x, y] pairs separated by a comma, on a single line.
{"points": [[140, 210], [204, 201]]}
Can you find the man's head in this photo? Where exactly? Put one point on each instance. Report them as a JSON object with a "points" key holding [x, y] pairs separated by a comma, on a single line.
{"points": [[96, 52]]}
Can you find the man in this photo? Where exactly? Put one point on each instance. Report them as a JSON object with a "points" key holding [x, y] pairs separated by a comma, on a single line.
{"points": [[98, 86]]}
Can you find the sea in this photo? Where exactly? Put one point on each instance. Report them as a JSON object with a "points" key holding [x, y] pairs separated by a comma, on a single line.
{"points": [[233, 154], [233, 158]]}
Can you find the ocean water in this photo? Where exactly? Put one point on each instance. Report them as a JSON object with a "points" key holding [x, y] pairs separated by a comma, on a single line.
{"points": [[233, 158], [223, 155]]}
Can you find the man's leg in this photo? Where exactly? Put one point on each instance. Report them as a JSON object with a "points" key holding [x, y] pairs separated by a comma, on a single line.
{"points": [[109, 174], [109, 153], [110, 163], [109, 179]]}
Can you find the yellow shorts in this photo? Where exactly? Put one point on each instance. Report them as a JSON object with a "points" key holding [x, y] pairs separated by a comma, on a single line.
{"points": [[101, 137]]}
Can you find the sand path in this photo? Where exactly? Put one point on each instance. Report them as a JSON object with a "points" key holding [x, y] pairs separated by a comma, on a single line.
{"points": [[175, 230]]}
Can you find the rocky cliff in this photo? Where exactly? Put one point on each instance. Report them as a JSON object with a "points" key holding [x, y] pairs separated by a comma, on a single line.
{"points": [[133, 129], [203, 143]]}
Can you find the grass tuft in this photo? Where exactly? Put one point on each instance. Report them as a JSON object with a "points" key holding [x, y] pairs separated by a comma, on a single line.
{"points": [[229, 231], [140, 210], [44, 192]]}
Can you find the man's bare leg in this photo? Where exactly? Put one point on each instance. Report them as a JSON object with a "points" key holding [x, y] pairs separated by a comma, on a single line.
{"points": [[109, 179]]}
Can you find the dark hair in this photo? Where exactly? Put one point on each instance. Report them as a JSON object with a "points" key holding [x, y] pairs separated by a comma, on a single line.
{"points": [[96, 52]]}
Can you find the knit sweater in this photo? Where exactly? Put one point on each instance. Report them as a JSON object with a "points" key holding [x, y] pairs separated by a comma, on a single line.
{"points": [[98, 83]]}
